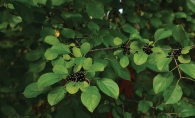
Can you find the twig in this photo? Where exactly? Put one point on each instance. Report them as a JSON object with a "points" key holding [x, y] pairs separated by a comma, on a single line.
{"points": [[188, 78], [110, 48], [180, 76], [123, 107]]}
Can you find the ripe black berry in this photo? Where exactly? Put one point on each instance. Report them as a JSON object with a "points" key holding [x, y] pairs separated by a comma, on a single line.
{"points": [[126, 49], [148, 49], [175, 53], [79, 76]]}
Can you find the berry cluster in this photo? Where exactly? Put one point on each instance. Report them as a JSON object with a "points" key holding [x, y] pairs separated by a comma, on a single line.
{"points": [[126, 48], [79, 76], [175, 53], [148, 49]]}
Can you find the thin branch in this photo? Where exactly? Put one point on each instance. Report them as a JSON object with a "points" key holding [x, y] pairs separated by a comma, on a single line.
{"points": [[180, 76], [123, 107], [188, 78], [99, 49], [174, 68]]}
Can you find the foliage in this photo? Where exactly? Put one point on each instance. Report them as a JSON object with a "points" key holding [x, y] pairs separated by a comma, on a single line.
{"points": [[84, 58]]}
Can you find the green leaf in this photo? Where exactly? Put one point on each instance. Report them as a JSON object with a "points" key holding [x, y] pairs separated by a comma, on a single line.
{"points": [[8, 111], [184, 58], [191, 5], [109, 87], [60, 48], [83, 85], [96, 67], [162, 34], [48, 79], [58, 2], [51, 40], [87, 63], [135, 46], [4, 13], [163, 62], [133, 18], [162, 81], [180, 15], [72, 87], [93, 26], [185, 50], [156, 22], [32, 90], [68, 33], [70, 63], [95, 9], [58, 61], [24, 11], [60, 69], [121, 72], [172, 94], [85, 47], [136, 36], [77, 68], [179, 33], [118, 41], [140, 58], [90, 98], [34, 55], [66, 57], [47, 31], [188, 69], [129, 29], [144, 105], [127, 115], [124, 61], [76, 52], [50, 54], [37, 66], [56, 95]]}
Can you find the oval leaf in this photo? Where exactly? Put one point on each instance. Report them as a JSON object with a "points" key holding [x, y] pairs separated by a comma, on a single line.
{"points": [[172, 94], [162, 81], [144, 105], [161, 34], [140, 58], [50, 54], [51, 40], [109, 87], [118, 41], [124, 61], [60, 69], [48, 79], [179, 33], [96, 67], [87, 63], [32, 90], [85, 47], [162, 63], [95, 9], [72, 87], [68, 33], [90, 98], [188, 69], [56, 95], [76, 52], [60, 48]]}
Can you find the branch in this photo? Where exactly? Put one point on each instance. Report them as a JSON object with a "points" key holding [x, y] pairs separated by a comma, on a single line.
{"points": [[110, 48], [180, 76]]}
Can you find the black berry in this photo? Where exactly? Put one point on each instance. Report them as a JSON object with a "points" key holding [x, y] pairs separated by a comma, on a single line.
{"points": [[148, 49], [79, 76], [126, 49]]}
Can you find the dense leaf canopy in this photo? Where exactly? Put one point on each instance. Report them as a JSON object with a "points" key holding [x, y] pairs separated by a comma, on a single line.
{"points": [[97, 58]]}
